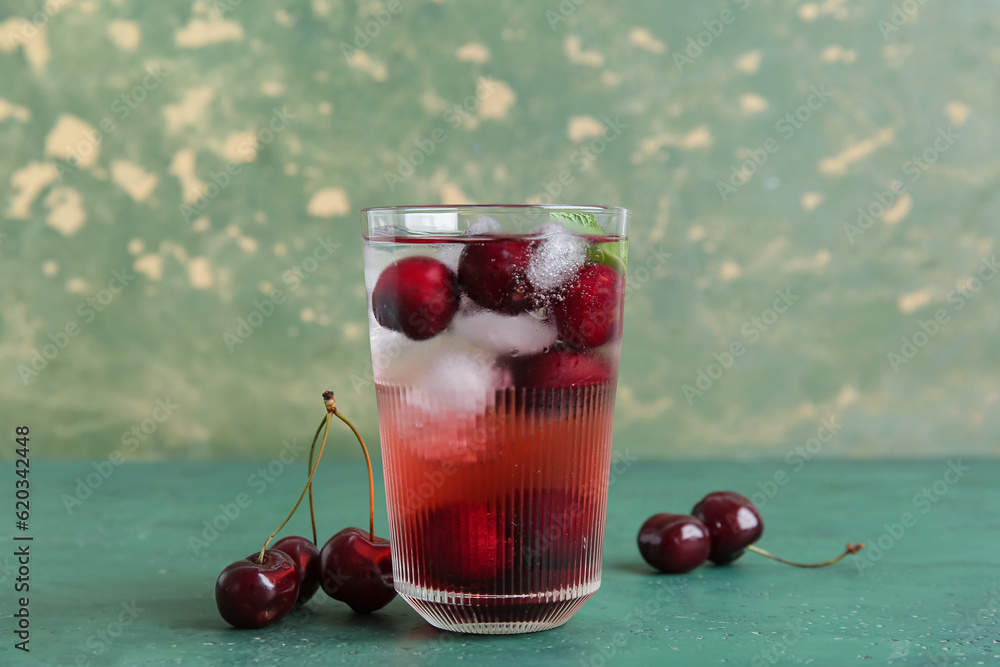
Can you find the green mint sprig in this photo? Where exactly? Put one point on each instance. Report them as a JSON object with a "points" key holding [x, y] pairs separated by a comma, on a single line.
{"points": [[610, 253]]}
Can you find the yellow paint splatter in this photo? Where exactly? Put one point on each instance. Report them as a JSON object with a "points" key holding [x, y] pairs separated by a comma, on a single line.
{"points": [[659, 230], [836, 53], [451, 193], [182, 165], [609, 78], [73, 138], [28, 182], [730, 270], [899, 210], [749, 62], [580, 128], [200, 273], [753, 103], [199, 33], [19, 32], [957, 113], [644, 39], [126, 35], [240, 147], [808, 12], [352, 331], [272, 88], [15, 111], [66, 214], [838, 164], [473, 52], [247, 244], [150, 266], [284, 18], [573, 47], [700, 137], [912, 301], [133, 179], [328, 203], [190, 110], [847, 396], [496, 100], [811, 200], [364, 63]]}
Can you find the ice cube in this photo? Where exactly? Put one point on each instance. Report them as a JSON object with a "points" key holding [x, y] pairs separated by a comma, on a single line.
{"points": [[556, 259], [444, 373], [484, 224], [504, 334], [388, 347]]}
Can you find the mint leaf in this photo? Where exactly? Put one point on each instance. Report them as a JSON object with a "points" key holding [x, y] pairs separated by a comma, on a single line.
{"points": [[581, 223], [611, 253]]}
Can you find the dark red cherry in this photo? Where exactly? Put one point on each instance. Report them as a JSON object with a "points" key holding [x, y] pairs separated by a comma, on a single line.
{"points": [[357, 570], [674, 543], [558, 368], [252, 595], [494, 275], [589, 312], [508, 546], [417, 296], [464, 544], [733, 524], [305, 556]]}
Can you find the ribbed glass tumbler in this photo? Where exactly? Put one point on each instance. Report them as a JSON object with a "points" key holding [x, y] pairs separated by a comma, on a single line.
{"points": [[495, 337]]}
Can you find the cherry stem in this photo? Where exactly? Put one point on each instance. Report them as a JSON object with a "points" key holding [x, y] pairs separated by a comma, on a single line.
{"points": [[312, 505], [319, 455], [851, 549], [371, 479]]}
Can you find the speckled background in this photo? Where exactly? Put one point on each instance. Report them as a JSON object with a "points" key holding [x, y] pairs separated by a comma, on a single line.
{"points": [[166, 167]]}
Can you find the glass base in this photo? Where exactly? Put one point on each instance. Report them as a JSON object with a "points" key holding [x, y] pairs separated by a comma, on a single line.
{"points": [[497, 614]]}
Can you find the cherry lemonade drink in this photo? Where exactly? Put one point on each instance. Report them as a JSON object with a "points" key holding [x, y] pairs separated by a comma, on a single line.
{"points": [[495, 337]]}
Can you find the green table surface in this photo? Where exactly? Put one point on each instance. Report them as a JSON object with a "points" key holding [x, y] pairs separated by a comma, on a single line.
{"points": [[117, 582]]}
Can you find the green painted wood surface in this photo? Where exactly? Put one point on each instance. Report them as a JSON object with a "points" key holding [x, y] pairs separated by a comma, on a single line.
{"points": [[931, 596]]}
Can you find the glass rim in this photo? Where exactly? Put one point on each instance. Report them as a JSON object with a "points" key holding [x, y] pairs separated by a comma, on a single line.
{"points": [[614, 210]]}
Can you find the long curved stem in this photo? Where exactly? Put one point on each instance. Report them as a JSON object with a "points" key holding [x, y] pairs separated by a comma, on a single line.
{"points": [[312, 504], [371, 479], [319, 455], [851, 549]]}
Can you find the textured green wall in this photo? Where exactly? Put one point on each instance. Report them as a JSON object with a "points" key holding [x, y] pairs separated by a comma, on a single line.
{"points": [[497, 102]]}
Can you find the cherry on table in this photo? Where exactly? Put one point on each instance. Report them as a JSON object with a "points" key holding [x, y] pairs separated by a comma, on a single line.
{"points": [[733, 524], [356, 569], [252, 594], [674, 543], [305, 556], [416, 296]]}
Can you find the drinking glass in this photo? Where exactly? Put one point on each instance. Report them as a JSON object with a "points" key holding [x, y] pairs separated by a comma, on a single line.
{"points": [[495, 339]]}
